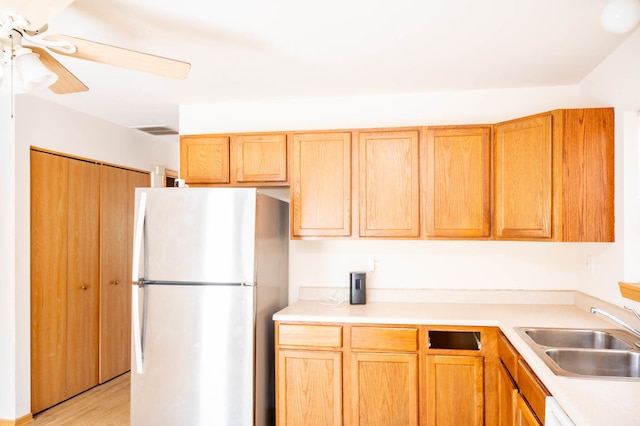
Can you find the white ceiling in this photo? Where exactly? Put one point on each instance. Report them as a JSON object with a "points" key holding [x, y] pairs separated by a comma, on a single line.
{"points": [[244, 50]]}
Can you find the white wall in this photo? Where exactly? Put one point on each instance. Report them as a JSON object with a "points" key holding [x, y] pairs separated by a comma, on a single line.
{"points": [[42, 124], [8, 302], [418, 264], [617, 81]]}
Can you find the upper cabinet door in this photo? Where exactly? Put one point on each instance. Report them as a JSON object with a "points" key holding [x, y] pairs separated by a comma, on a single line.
{"points": [[259, 158], [523, 178], [458, 182], [204, 159], [389, 184], [321, 184], [588, 175]]}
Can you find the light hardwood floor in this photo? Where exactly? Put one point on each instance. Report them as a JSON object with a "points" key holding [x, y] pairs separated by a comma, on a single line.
{"points": [[104, 405]]}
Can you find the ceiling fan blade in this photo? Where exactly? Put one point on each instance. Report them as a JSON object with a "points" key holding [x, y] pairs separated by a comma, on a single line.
{"points": [[112, 55], [67, 82], [37, 12]]}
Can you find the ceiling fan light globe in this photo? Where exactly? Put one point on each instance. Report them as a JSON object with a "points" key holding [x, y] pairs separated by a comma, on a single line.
{"points": [[34, 75], [620, 16], [12, 80]]}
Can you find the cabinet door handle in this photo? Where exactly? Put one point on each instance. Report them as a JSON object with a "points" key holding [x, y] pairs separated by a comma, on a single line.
{"points": [[84, 287], [116, 282]]}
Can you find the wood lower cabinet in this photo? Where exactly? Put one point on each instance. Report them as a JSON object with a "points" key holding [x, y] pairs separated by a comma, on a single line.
{"points": [[384, 376], [524, 414], [455, 390], [384, 389], [553, 176], [377, 374], [507, 397], [80, 233], [521, 395], [310, 387], [309, 374]]}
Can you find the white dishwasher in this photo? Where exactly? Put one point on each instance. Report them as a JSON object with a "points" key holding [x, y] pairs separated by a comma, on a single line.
{"points": [[554, 415]]}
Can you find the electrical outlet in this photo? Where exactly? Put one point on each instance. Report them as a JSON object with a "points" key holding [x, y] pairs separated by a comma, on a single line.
{"points": [[590, 264], [371, 262]]}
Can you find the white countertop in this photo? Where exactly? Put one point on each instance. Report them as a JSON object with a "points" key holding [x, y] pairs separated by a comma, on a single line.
{"points": [[587, 401]]}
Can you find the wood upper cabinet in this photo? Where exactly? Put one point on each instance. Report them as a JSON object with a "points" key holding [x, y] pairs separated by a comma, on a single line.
{"points": [[204, 159], [64, 278], [117, 193], [259, 158], [235, 160], [523, 178], [553, 176], [389, 183], [458, 163], [320, 195]]}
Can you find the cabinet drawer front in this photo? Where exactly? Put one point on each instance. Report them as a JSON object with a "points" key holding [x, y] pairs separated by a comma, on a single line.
{"points": [[532, 390], [329, 336], [384, 338], [508, 355]]}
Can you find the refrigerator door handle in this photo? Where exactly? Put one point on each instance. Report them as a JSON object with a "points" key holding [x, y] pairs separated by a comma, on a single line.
{"points": [[135, 322], [138, 235]]}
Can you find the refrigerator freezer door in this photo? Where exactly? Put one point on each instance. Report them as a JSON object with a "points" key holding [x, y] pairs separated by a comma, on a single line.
{"points": [[198, 235], [197, 355]]}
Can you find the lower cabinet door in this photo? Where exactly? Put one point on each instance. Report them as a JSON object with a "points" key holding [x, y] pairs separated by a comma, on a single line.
{"points": [[384, 389], [524, 414], [455, 393], [507, 397], [309, 388]]}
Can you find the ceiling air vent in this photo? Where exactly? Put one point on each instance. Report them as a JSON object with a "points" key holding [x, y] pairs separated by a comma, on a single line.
{"points": [[159, 130]]}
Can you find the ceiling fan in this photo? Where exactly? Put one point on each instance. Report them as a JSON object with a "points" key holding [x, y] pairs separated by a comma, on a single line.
{"points": [[23, 24]]}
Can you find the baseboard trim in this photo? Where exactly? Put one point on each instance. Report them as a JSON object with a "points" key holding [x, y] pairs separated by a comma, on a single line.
{"points": [[24, 420]]}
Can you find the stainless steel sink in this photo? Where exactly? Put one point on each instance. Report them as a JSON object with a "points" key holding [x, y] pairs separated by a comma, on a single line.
{"points": [[597, 363], [576, 338], [586, 353]]}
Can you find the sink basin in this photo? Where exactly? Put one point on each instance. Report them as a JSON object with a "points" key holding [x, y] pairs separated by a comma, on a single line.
{"points": [[594, 363], [586, 353], [576, 338]]}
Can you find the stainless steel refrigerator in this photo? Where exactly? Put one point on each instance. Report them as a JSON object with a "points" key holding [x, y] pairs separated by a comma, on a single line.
{"points": [[210, 267]]}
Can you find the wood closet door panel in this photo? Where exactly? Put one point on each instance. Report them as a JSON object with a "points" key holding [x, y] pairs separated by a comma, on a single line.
{"points": [[117, 197], [49, 194], [83, 268]]}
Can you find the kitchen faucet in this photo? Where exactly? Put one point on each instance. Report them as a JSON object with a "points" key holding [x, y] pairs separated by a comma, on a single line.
{"points": [[619, 321]]}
